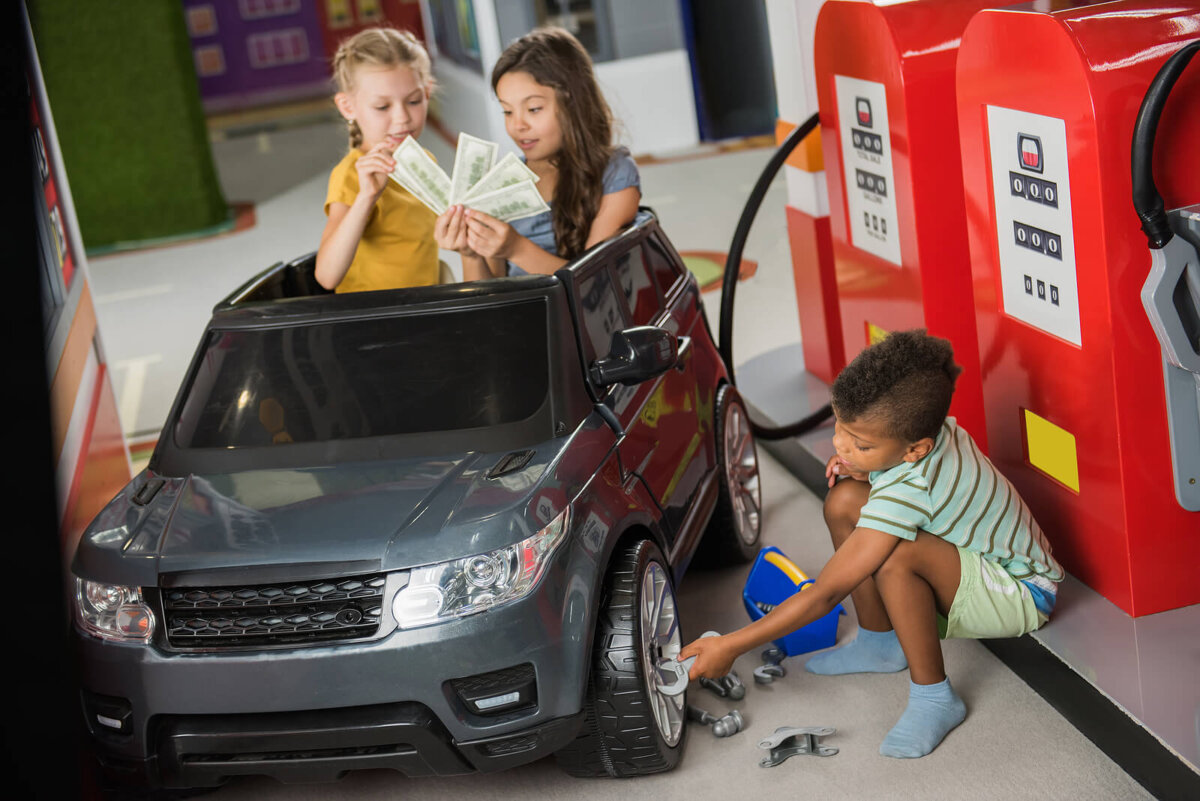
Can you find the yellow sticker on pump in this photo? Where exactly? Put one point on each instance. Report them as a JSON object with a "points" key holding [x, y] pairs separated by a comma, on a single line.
{"points": [[1051, 450]]}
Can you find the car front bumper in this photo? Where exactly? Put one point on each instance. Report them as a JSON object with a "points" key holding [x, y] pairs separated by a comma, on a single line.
{"points": [[172, 719]]}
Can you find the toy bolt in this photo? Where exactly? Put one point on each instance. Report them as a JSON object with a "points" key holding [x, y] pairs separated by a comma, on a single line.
{"points": [[729, 725], [728, 686], [721, 727]]}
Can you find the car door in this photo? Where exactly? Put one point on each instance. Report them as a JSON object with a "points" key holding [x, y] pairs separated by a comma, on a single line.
{"points": [[665, 419]]}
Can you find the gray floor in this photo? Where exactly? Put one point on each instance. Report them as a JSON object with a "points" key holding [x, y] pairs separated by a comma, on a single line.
{"points": [[153, 304]]}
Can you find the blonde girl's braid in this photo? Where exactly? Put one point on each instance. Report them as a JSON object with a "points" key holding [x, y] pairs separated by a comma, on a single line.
{"points": [[378, 47]]}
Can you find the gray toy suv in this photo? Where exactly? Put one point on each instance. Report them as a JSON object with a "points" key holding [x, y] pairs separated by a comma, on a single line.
{"points": [[436, 530]]}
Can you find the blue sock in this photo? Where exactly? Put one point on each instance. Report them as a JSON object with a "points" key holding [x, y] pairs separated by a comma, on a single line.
{"points": [[869, 652], [933, 710]]}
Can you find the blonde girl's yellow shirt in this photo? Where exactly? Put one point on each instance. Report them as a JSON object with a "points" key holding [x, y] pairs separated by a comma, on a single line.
{"points": [[397, 248]]}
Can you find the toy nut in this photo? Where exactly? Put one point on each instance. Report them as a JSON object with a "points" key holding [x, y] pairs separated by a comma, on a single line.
{"points": [[773, 656], [737, 690], [729, 725]]}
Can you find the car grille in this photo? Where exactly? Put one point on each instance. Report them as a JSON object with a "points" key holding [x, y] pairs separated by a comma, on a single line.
{"points": [[273, 614]]}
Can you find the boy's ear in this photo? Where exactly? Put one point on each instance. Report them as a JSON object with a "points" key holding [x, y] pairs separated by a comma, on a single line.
{"points": [[345, 105], [918, 450]]}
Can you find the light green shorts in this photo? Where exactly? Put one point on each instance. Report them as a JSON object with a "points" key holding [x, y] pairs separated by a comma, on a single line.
{"points": [[989, 602]]}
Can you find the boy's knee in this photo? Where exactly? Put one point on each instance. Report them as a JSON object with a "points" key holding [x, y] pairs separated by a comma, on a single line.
{"points": [[900, 561], [845, 501]]}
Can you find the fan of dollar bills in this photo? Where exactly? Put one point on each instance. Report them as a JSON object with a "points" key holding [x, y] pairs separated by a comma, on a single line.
{"points": [[503, 189]]}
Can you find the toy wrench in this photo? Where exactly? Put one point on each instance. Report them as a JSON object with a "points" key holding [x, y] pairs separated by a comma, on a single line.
{"points": [[677, 680]]}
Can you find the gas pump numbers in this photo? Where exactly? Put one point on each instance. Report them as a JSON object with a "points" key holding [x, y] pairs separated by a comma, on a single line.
{"points": [[1036, 239], [1034, 225], [1034, 189], [867, 173], [871, 182], [871, 143]]}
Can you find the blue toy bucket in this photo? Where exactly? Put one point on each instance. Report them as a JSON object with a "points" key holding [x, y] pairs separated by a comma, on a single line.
{"points": [[775, 578]]}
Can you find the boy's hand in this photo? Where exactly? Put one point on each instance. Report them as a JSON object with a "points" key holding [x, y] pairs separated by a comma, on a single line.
{"points": [[450, 231], [835, 469], [489, 237], [373, 168], [714, 657]]}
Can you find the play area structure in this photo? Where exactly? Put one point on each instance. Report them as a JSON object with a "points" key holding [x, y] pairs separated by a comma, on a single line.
{"points": [[977, 161], [1020, 178]]}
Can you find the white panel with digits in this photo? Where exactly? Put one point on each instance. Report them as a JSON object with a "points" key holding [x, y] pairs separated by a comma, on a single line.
{"points": [[1034, 229], [867, 166]]}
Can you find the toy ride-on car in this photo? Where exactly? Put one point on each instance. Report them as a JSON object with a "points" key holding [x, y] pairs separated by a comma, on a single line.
{"points": [[436, 530]]}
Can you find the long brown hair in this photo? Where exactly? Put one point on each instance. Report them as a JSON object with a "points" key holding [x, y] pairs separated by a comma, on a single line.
{"points": [[555, 58], [378, 47]]}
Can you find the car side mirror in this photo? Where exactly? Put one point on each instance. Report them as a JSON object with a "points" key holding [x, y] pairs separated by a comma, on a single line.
{"points": [[636, 354]]}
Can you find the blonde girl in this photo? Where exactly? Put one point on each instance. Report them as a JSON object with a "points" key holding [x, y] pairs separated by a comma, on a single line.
{"points": [[378, 235], [555, 113]]}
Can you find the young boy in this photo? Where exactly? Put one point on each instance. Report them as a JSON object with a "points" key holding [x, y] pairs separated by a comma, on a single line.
{"points": [[929, 539]]}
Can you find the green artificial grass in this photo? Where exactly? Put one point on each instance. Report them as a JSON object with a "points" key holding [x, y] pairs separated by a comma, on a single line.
{"points": [[126, 105]]}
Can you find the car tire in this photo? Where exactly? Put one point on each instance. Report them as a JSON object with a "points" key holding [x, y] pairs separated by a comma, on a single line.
{"points": [[630, 727], [732, 536]]}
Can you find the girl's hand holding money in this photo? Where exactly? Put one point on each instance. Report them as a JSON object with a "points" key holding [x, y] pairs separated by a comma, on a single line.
{"points": [[450, 231], [491, 238], [373, 170]]}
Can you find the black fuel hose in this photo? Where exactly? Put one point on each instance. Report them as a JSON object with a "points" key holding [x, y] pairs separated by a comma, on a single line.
{"points": [[1146, 200], [732, 266]]}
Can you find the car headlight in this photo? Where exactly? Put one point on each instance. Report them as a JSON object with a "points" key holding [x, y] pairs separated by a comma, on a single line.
{"points": [[113, 611], [465, 586]]}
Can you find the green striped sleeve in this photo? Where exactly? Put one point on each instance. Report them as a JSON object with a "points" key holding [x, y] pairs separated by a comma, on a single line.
{"points": [[897, 508]]}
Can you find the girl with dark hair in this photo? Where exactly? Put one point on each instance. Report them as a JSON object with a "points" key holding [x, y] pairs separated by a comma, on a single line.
{"points": [[555, 113]]}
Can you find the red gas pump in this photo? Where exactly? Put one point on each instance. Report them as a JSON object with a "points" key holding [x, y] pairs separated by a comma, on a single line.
{"points": [[885, 83], [1073, 376]]}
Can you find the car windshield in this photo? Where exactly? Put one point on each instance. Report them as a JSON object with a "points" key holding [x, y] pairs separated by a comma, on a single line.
{"points": [[375, 377]]}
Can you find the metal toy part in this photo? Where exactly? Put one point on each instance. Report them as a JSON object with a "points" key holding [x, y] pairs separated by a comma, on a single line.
{"points": [[773, 669], [728, 686], [788, 741], [673, 674], [726, 726]]}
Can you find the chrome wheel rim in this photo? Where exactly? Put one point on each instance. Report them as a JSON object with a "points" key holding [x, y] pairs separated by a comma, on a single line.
{"points": [[741, 474], [659, 627]]}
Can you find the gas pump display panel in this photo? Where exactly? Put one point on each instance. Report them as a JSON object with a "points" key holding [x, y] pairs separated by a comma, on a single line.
{"points": [[867, 166], [1032, 193]]}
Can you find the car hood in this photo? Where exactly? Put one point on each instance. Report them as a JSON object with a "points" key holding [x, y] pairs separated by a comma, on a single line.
{"points": [[347, 518]]}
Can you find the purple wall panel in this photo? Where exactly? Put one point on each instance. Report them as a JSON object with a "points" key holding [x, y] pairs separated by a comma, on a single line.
{"points": [[250, 52]]}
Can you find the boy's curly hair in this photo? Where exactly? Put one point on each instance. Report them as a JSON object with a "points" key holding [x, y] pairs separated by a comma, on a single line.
{"points": [[906, 381]]}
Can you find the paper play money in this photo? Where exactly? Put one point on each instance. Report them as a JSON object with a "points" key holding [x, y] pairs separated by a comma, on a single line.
{"points": [[402, 176], [508, 171], [472, 161], [511, 203], [425, 171]]}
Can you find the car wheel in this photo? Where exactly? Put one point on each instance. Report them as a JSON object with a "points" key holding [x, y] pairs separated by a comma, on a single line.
{"points": [[632, 728], [733, 532]]}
